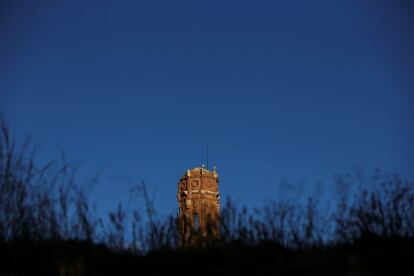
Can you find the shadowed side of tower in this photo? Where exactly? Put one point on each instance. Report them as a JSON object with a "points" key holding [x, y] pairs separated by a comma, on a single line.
{"points": [[198, 201]]}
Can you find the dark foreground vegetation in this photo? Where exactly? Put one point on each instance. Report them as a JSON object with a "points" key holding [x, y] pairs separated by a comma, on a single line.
{"points": [[47, 227]]}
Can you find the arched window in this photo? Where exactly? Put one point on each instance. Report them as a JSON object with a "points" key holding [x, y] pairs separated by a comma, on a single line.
{"points": [[196, 222], [209, 223], [209, 219], [184, 224]]}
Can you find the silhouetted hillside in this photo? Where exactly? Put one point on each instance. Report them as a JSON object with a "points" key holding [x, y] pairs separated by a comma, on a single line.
{"points": [[369, 255]]}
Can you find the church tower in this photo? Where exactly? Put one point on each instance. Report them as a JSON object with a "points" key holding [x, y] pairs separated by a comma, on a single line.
{"points": [[198, 201]]}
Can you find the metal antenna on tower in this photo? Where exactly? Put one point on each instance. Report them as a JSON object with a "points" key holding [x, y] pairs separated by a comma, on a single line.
{"points": [[207, 151]]}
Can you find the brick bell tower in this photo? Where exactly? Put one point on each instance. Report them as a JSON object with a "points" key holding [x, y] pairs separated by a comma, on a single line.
{"points": [[198, 201]]}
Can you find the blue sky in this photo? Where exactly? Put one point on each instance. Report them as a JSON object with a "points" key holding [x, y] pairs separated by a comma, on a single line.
{"points": [[283, 89]]}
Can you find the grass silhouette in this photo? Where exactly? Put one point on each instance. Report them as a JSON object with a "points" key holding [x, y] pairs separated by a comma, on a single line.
{"points": [[47, 227]]}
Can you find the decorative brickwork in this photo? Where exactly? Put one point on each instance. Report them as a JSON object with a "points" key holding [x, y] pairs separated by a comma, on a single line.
{"points": [[198, 201]]}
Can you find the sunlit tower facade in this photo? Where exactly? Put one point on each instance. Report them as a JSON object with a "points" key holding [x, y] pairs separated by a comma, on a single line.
{"points": [[199, 203]]}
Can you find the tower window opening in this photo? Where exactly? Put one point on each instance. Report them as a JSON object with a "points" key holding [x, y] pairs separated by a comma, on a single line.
{"points": [[209, 220], [209, 223], [196, 222], [185, 226]]}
